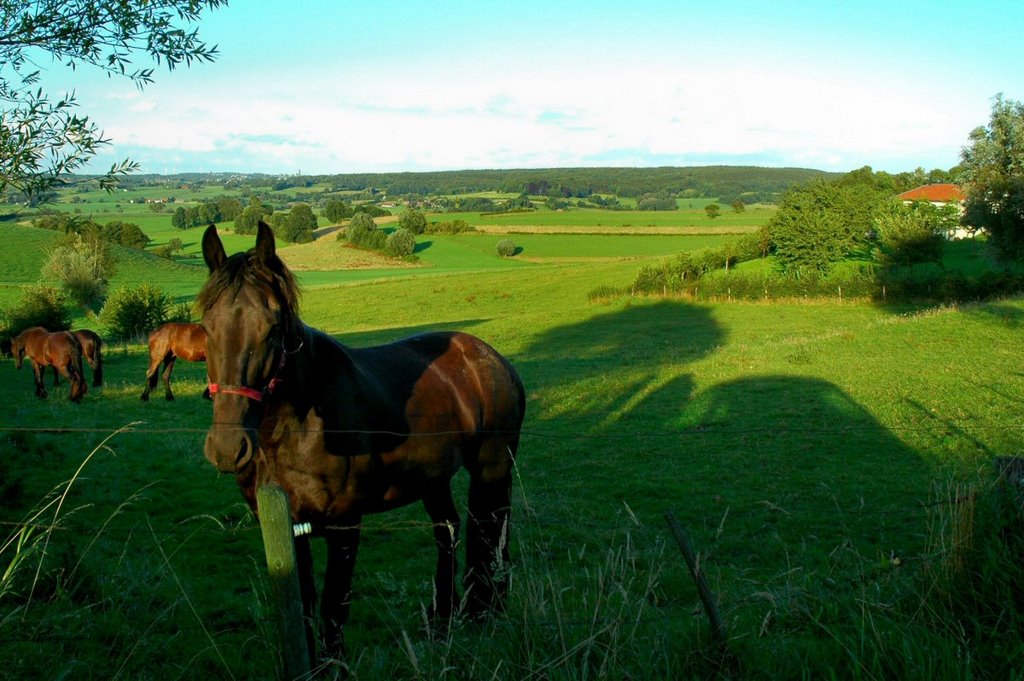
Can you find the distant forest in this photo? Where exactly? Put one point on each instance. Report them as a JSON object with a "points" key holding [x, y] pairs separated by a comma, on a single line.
{"points": [[750, 184], [726, 183]]}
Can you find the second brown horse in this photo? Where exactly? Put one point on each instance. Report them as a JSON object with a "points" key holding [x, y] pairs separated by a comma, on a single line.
{"points": [[169, 342], [60, 349]]}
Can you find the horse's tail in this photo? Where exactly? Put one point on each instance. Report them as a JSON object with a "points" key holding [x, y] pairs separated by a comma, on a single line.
{"points": [[97, 367], [76, 375]]}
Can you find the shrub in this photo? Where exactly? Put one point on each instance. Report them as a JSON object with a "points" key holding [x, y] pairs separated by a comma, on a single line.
{"points": [[450, 227], [401, 243], [506, 248], [82, 265], [413, 220], [337, 210], [909, 234], [130, 313], [40, 306], [360, 222]]}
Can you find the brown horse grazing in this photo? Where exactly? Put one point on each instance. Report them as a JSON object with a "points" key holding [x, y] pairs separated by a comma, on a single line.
{"points": [[59, 349], [347, 431], [168, 343]]}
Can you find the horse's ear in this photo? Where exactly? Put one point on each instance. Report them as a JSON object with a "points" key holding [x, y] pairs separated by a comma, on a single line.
{"points": [[265, 248], [213, 249]]}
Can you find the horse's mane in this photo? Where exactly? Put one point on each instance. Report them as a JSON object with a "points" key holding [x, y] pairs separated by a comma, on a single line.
{"points": [[243, 269]]}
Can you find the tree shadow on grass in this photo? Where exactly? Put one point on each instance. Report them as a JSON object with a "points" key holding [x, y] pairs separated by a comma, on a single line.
{"points": [[618, 418]]}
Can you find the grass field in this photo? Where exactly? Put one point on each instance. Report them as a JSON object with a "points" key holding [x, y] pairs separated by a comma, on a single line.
{"points": [[820, 454]]}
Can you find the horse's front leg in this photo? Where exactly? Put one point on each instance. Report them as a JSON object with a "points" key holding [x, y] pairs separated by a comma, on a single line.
{"points": [[56, 375], [307, 588], [39, 374], [342, 546]]}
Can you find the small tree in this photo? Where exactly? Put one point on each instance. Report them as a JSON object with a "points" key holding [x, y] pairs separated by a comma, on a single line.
{"points": [[713, 210], [131, 313], [505, 248], [413, 220], [337, 210], [909, 234], [820, 223], [993, 175], [299, 224], [250, 216], [401, 243], [360, 222], [82, 265], [738, 206]]}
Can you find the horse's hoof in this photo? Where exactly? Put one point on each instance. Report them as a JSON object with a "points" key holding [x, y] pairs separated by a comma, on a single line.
{"points": [[170, 397], [145, 397]]}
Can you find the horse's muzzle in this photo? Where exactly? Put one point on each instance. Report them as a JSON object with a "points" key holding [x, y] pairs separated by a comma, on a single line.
{"points": [[229, 449]]}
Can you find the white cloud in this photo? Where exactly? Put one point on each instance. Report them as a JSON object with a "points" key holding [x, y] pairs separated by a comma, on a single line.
{"points": [[419, 121]]}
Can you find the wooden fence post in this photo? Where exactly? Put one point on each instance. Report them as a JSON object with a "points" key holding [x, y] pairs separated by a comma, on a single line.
{"points": [[279, 544], [706, 597]]}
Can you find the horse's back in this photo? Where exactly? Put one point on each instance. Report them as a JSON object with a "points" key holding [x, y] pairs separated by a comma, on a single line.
{"points": [[89, 340], [182, 339], [33, 339], [62, 346], [451, 377]]}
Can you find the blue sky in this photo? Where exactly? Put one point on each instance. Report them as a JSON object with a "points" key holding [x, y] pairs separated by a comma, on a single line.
{"points": [[320, 86]]}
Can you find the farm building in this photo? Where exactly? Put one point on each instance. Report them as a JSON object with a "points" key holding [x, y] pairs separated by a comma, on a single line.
{"points": [[939, 195], [936, 194]]}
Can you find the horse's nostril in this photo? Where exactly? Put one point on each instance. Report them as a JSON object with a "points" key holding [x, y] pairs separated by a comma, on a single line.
{"points": [[243, 452]]}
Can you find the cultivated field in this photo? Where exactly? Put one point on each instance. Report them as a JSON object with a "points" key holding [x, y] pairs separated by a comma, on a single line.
{"points": [[819, 452]]}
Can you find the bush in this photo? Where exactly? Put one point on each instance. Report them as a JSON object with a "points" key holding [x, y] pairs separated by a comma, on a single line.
{"points": [[337, 210], [40, 306], [413, 220], [82, 265], [506, 248], [358, 225], [450, 227], [130, 314], [909, 234], [401, 243]]}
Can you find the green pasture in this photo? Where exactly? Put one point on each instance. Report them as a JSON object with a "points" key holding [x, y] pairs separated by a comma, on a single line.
{"points": [[811, 449]]}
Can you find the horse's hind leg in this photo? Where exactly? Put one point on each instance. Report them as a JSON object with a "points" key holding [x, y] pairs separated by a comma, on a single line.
{"points": [[97, 368], [168, 368], [342, 545], [152, 377], [487, 554], [445, 517], [56, 376]]}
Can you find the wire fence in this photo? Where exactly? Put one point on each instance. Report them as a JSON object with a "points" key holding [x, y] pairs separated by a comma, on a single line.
{"points": [[187, 525]]}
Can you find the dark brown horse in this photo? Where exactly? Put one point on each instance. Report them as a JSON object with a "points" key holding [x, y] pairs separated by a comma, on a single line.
{"points": [[347, 431], [60, 349], [92, 353], [169, 342]]}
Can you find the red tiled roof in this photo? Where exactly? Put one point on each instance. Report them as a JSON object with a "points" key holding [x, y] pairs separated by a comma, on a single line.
{"points": [[940, 193]]}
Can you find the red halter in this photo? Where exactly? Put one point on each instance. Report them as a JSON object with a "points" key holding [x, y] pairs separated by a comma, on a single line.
{"points": [[252, 393]]}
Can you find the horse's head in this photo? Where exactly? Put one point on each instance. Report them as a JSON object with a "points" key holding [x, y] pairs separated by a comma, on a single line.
{"points": [[18, 351], [248, 308]]}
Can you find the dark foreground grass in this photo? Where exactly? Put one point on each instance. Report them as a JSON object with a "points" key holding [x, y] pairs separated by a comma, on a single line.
{"points": [[831, 461]]}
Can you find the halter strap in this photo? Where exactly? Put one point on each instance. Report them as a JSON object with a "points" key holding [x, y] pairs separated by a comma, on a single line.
{"points": [[252, 393]]}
